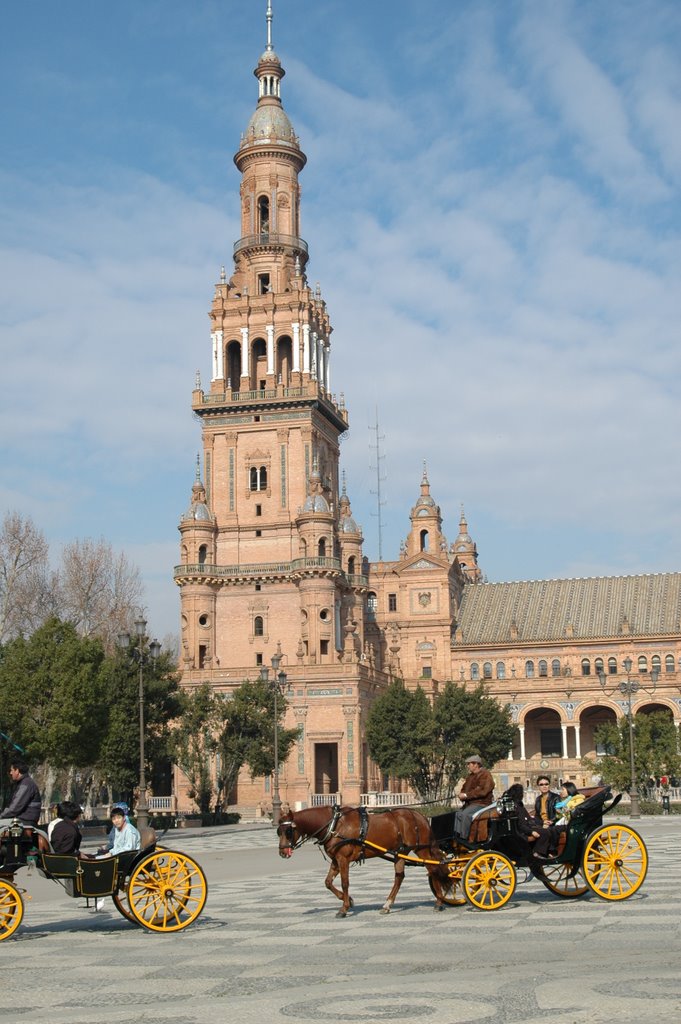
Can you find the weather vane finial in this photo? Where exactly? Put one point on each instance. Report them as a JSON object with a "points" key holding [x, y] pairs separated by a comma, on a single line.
{"points": [[269, 24]]}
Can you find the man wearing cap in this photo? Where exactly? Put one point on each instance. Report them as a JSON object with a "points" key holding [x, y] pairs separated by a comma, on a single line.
{"points": [[476, 792]]}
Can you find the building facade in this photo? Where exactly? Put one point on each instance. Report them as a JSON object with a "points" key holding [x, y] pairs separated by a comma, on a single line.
{"points": [[270, 553]]}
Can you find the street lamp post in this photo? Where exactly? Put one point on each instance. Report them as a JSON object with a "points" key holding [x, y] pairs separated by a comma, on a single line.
{"points": [[279, 685], [141, 655], [628, 688]]}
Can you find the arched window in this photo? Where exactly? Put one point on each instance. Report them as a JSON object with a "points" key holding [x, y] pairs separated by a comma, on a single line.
{"points": [[655, 663], [321, 547], [258, 626], [669, 662], [203, 550], [257, 478], [543, 669], [529, 670], [424, 540], [555, 667], [501, 670], [475, 670], [642, 663], [487, 670], [586, 667], [372, 604], [351, 565], [263, 215], [612, 666]]}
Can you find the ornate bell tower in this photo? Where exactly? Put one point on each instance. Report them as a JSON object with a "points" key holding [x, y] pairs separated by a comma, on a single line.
{"points": [[269, 551]]}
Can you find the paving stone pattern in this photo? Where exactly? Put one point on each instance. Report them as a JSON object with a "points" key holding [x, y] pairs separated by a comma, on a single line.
{"points": [[268, 948]]}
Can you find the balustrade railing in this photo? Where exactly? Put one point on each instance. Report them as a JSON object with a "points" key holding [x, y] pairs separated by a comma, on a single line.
{"points": [[271, 238]]}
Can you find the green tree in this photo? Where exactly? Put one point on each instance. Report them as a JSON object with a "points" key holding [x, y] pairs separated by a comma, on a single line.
{"points": [[427, 744], [193, 741], [51, 695], [246, 734], [655, 751], [118, 763]]}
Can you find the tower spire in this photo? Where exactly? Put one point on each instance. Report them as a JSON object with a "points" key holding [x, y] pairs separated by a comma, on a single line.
{"points": [[269, 17]]}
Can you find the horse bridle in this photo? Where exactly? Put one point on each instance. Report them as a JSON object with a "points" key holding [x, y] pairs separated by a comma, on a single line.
{"points": [[288, 824]]}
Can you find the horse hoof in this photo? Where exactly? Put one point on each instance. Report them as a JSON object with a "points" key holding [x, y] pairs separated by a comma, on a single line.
{"points": [[384, 910], [438, 906], [342, 913]]}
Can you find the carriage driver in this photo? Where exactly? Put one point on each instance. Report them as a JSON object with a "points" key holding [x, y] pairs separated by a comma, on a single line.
{"points": [[475, 793], [25, 803]]}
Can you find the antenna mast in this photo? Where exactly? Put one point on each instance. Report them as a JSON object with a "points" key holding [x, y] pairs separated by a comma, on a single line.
{"points": [[379, 480]]}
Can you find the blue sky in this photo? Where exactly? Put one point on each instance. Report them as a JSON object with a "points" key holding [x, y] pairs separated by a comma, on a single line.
{"points": [[492, 207]]}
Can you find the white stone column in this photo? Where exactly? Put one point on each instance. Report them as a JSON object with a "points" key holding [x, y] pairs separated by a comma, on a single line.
{"points": [[327, 368], [314, 354], [214, 339], [521, 730], [578, 747], [295, 328], [306, 348], [270, 348], [563, 729], [244, 352]]}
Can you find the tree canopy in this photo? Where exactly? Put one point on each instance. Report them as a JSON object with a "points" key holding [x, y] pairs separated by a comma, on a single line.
{"points": [[655, 750], [427, 744]]}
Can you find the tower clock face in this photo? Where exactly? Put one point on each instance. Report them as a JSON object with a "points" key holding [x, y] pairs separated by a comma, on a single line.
{"points": [[461, 547]]}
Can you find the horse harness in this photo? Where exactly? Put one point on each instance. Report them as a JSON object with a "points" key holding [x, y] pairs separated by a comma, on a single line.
{"points": [[329, 832]]}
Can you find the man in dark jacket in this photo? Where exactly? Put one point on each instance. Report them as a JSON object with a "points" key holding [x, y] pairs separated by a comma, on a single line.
{"points": [[476, 793], [65, 837], [25, 803], [545, 804]]}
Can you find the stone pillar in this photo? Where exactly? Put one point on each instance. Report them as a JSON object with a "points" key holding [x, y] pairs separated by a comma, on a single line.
{"points": [[578, 747], [244, 352], [521, 730], [270, 348], [296, 346]]}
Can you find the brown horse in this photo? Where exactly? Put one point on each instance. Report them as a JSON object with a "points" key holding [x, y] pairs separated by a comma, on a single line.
{"points": [[348, 834]]}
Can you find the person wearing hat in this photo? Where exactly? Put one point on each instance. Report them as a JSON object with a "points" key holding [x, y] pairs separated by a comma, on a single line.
{"points": [[476, 792]]}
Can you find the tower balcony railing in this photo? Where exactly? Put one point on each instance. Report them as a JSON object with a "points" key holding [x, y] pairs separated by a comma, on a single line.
{"points": [[261, 568], [271, 239], [318, 562]]}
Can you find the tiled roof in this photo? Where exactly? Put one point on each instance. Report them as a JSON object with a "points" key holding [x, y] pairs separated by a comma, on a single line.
{"points": [[555, 610]]}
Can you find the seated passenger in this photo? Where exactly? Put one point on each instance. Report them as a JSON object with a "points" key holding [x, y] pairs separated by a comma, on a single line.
{"points": [[546, 846], [545, 804], [476, 793], [126, 836], [64, 834], [527, 824]]}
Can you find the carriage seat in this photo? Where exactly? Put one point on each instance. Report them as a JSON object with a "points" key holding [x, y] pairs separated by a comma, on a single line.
{"points": [[147, 837], [479, 830]]}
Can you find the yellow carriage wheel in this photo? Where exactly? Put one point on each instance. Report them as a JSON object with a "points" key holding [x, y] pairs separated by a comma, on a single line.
{"points": [[615, 862], [489, 880], [120, 899], [11, 909], [560, 880], [453, 896], [166, 892]]}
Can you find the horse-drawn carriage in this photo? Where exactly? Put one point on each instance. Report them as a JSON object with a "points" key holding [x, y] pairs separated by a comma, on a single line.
{"points": [[161, 890], [608, 860]]}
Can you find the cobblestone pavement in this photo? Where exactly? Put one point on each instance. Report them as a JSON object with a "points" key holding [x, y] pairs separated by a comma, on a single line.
{"points": [[268, 947]]}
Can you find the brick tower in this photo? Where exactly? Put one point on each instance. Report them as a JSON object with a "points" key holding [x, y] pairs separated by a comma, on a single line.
{"points": [[270, 552]]}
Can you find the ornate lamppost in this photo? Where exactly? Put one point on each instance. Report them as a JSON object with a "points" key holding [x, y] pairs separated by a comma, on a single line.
{"points": [[279, 686], [142, 656], [629, 687]]}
